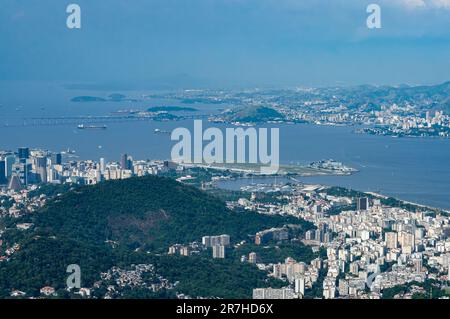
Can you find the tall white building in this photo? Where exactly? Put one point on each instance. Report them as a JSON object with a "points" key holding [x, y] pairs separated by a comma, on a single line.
{"points": [[300, 285], [218, 251], [391, 240], [270, 293], [102, 165]]}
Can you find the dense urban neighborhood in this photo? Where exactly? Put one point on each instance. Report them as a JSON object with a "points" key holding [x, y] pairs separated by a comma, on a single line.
{"points": [[332, 243]]}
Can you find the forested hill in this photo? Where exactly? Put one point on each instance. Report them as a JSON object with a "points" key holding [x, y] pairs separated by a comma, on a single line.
{"points": [[147, 211], [254, 114]]}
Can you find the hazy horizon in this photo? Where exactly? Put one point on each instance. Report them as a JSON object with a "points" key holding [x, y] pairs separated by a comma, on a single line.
{"points": [[226, 44]]}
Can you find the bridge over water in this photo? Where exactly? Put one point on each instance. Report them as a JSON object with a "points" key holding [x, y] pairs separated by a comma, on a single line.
{"points": [[76, 120]]}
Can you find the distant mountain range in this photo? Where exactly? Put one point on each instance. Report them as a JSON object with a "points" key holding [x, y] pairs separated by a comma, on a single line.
{"points": [[434, 97]]}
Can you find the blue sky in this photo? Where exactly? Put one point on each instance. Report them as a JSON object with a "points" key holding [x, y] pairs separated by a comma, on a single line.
{"points": [[226, 43]]}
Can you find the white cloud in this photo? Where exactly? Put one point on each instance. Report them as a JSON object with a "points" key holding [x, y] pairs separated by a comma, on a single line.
{"points": [[441, 3], [414, 4]]}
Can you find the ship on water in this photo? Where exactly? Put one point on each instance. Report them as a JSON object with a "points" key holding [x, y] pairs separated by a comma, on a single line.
{"points": [[87, 127], [126, 111], [159, 131]]}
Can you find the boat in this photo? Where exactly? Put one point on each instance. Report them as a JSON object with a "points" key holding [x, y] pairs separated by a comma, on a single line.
{"points": [[84, 127], [68, 151], [121, 112], [159, 131]]}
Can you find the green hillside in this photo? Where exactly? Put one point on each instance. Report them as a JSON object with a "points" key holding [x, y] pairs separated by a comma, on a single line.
{"points": [[254, 114], [148, 213]]}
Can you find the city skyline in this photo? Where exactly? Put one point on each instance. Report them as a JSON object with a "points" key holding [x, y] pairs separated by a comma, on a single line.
{"points": [[218, 150]]}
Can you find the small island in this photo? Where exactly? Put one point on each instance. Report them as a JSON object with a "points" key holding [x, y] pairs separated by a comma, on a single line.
{"points": [[171, 109], [87, 99], [115, 97]]}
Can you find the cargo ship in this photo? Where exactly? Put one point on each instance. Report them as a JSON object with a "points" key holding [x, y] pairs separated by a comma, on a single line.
{"points": [[159, 131], [87, 127]]}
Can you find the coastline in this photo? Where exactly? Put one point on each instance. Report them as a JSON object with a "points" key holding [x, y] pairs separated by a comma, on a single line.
{"points": [[409, 202], [284, 170], [374, 194]]}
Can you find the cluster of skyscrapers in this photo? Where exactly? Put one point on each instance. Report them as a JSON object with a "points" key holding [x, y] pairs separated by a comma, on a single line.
{"points": [[28, 166], [24, 167]]}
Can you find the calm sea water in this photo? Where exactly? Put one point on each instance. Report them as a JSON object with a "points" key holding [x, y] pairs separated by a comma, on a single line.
{"points": [[412, 169]]}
